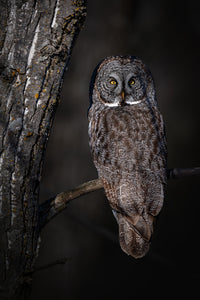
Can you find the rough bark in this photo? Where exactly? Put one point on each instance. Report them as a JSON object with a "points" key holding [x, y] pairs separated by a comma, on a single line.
{"points": [[36, 40]]}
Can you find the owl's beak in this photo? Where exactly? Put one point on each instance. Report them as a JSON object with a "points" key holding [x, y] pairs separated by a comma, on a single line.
{"points": [[123, 97]]}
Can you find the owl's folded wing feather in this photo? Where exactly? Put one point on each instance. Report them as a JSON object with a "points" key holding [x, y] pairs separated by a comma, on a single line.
{"points": [[135, 213]]}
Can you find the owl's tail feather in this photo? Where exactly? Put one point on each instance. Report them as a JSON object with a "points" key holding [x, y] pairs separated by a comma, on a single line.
{"points": [[135, 238]]}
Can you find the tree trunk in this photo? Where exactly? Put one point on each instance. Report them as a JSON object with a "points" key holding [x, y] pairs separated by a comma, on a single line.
{"points": [[36, 39]]}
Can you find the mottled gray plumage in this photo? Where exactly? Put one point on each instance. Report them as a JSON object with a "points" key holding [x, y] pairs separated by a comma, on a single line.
{"points": [[128, 146]]}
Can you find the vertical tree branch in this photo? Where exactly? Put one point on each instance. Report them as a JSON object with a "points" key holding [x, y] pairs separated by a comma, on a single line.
{"points": [[37, 38]]}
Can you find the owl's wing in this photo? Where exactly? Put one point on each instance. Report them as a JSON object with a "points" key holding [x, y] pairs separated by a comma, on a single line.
{"points": [[135, 207]]}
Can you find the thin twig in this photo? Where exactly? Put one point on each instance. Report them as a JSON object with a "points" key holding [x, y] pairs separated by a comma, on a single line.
{"points": [[61, 261], [50, 208]]}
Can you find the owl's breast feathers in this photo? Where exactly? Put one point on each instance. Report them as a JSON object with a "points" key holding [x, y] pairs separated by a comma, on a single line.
{"points": [[129, 151]]}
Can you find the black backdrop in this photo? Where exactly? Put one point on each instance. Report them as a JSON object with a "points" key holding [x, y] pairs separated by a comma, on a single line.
{"points": [[165, 34]]}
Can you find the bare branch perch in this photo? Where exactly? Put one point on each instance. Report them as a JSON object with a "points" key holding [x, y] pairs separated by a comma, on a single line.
{"points": [[177, 173], [52, 207]]}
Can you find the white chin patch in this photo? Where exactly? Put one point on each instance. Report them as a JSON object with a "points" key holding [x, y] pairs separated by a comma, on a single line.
{"points": [[115, 104], [133, 102]]}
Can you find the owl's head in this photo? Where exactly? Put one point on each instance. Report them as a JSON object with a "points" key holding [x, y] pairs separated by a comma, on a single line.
{"points": [[120, 81]]}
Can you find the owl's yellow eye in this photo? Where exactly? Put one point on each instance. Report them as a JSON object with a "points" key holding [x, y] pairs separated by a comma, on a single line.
{"points": [[131, 81], [113, 82]]}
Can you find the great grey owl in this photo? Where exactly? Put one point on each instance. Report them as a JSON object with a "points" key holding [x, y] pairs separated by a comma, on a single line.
{"points": [[128, 146]]}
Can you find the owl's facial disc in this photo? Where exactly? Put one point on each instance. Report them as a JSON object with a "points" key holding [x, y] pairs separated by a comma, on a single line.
{"points": [[121, 84], [115, 87], [109, 87], [134, 84]]}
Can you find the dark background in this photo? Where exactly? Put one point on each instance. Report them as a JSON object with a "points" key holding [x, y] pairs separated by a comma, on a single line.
{"points": [[165, 34]]}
